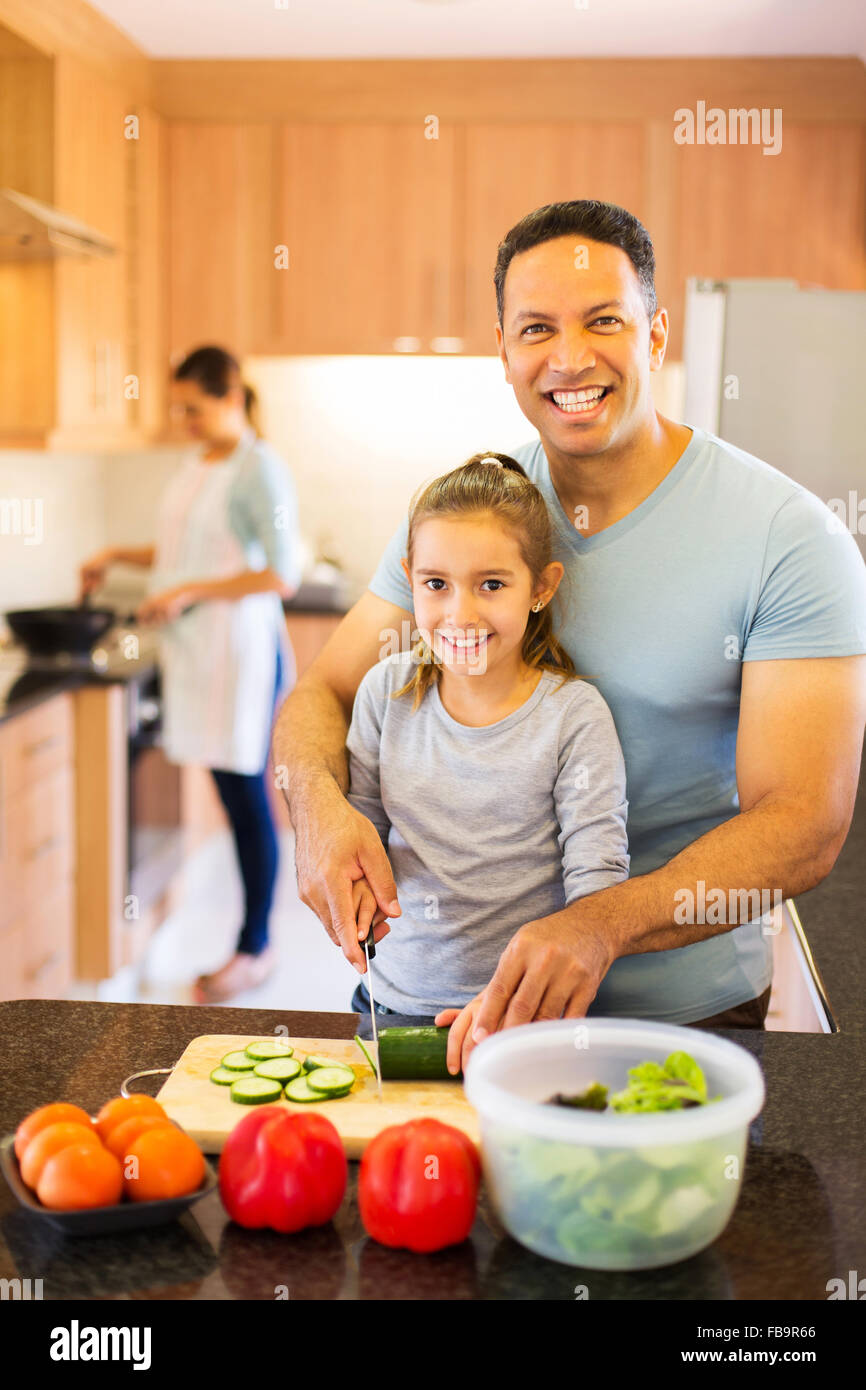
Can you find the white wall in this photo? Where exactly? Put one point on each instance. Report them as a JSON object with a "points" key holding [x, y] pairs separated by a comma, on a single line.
{"points": [[360, 434], [52, 514]]}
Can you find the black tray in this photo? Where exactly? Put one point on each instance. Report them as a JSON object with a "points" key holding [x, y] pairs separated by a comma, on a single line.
{"points": [[92, 1221]]}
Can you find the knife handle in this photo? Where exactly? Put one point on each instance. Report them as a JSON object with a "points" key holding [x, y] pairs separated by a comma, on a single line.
{"points": [[370, 944]]}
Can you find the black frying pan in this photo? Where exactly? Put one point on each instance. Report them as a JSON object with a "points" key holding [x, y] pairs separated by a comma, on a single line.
{"points": [[49, 631]]}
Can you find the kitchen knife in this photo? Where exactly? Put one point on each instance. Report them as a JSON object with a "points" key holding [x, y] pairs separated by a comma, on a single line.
{"points": [[369, 952]]}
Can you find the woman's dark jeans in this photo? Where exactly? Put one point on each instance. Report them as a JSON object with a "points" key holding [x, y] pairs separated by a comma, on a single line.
{"points": [[245, 798]]}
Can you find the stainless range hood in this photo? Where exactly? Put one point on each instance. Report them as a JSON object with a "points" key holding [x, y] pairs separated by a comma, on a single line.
{"points": [[33, 231]]}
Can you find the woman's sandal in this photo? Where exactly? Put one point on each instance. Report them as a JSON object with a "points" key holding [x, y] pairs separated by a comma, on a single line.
{"points": [[242, 972]]}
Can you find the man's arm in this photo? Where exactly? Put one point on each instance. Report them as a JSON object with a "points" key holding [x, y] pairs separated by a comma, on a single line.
{"points": [[799, 744], [334, 844]]}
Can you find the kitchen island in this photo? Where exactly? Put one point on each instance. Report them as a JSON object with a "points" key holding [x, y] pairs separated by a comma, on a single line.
{"points": [[800, 1220]]}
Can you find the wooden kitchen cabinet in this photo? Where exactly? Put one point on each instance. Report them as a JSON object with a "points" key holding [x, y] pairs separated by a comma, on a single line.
{"points": [[221, 236], [90, 293], [37, 852], [102, 805], [147, 256], [512, 169], [368, 214], [76, 328], [736, 212]]}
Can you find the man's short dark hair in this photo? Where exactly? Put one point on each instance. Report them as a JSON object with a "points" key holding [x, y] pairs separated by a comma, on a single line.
{"points": [[585, 217]]}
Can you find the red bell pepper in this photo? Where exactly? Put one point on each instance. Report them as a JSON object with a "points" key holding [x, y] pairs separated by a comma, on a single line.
{"points": [[418, 1185], [283, 1171]]}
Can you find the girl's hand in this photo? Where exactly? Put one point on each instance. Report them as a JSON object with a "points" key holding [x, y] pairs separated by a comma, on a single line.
{"points": [[367, 912], [460, 1042], [163, 607]]}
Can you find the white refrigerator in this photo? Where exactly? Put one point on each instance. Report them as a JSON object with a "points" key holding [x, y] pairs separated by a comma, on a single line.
{"points": [[780, 371]]}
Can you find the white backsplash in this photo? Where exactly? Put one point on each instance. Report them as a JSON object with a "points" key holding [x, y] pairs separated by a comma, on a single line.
{"points": [[52, 514], [359, 434]]}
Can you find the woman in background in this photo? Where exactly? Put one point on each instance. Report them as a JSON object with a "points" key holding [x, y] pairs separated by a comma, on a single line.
{"points": [[227, 552]]}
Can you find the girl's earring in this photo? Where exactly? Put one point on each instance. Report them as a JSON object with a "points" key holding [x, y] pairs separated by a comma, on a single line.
{"points": [[536, 607]]}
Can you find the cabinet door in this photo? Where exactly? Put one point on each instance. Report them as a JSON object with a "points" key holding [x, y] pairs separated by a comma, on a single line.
{"points": [[50, 944], [26, 289], [512, 169], [148, 300], [738, 210], [367, 214], [220, 188], [91, 307]]}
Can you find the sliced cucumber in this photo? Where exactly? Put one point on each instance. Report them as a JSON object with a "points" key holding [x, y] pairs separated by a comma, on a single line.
{"points": [[365, 1052], [333, 1081], [223, 1077], [300, 1090], [255, 1090], [269, 1048], [237, 1061], [280, 1069], [315, 1060]]}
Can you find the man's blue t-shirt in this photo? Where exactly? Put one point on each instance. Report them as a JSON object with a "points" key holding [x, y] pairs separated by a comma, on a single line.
{"points": [[728, 560]]}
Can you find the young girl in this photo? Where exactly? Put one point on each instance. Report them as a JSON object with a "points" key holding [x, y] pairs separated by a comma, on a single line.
{"points": [[492, 772]]}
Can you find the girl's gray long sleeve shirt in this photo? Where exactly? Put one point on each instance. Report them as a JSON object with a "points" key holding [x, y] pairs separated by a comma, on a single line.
{"points": [[486, 828]]}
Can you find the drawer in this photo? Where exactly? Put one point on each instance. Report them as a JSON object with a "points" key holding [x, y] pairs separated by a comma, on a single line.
{"points": [[39, 947], [12, 973], [37, 842], [49, 945], [34, 745]]}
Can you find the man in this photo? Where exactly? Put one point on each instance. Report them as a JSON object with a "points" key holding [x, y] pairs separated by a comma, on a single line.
{"points": [[717, 608]]}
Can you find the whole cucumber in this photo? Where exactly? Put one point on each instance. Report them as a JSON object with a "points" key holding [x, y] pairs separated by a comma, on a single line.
{"points": [[414, 1054]]}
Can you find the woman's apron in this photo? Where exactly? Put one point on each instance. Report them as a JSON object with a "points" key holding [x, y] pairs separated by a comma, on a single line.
{"points": [[218, 660]]}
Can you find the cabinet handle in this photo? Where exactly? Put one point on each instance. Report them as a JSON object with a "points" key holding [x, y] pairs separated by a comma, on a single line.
{"points": [[43, 848], [48, 742], [100, 375]]}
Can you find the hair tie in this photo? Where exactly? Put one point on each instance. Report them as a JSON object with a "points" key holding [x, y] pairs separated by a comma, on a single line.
{"points": [[497, 462]]}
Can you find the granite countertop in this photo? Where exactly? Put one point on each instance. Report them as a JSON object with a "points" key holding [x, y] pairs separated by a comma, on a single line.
{"points": [[26, 683], [800, 1219]]}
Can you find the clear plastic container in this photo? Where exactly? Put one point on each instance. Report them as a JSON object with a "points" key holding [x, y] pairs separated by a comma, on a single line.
{"points": [[605, 1190]]}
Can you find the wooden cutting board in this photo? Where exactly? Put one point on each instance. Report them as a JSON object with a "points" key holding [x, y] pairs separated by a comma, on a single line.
{"points": [[208, 1114]]}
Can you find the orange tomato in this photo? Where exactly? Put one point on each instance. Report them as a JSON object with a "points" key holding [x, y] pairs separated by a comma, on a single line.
{"points": [[168, 1164], [124, 1135], [123, 1108], [44, 1116], [81, 1175], [50, 1141]]}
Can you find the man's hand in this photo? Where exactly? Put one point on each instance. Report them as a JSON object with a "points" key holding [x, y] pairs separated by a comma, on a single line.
{"points": [[551, 968], [335, 846], [460, 1042], [367, 910]]}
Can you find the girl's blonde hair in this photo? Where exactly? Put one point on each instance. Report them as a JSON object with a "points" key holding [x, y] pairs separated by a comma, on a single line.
{"points": [[478, 487]]}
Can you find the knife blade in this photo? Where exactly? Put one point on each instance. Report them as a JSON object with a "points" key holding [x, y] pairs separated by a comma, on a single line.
{"points": [[369, 952]]}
